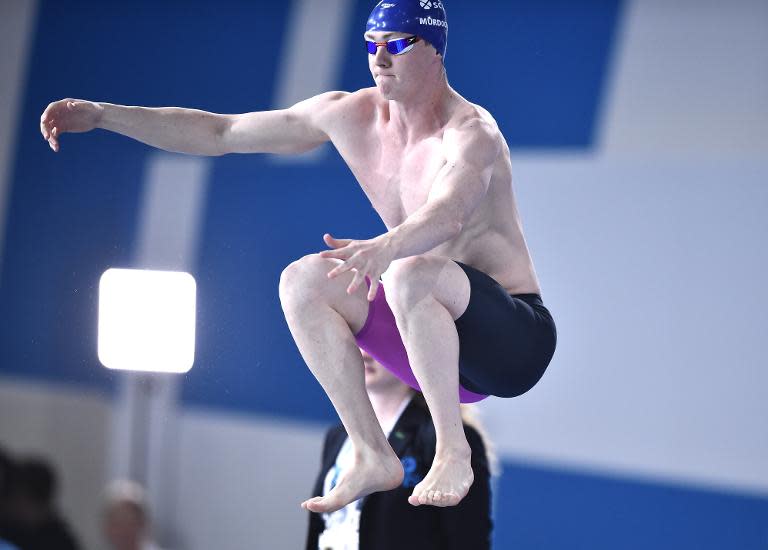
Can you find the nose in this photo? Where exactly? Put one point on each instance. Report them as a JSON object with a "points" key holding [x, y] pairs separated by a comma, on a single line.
{"points": [[382, 57]]}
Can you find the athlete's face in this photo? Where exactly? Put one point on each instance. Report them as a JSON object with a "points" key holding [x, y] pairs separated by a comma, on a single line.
{"points": [[397, 76]]}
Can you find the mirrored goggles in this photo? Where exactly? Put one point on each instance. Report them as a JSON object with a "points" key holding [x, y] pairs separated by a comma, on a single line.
{"points": [[397, 46]]}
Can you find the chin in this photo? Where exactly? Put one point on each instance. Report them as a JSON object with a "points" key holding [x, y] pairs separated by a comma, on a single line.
{"points": [[387, 90]]}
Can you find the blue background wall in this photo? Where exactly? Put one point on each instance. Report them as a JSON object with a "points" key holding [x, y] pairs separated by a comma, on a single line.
{"points": [[541, 67], [73, 215]]}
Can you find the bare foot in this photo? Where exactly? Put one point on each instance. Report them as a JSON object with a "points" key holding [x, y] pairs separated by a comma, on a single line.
{"points": [[372, 472], [447, 482]]}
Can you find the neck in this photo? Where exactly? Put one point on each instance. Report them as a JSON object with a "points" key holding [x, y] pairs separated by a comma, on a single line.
{"points": [[422, 113], [386, 402]]}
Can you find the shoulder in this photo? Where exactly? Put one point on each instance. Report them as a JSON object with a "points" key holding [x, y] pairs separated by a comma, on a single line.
{"points": [[473, 136], [337, 107]]}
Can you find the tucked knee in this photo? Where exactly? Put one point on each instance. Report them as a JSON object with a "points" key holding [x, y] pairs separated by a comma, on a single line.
{"points": [[304, 276], [408, 281]]}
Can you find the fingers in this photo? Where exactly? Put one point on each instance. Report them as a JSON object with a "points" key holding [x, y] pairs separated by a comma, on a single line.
{"points": [[50, 132], [47, 119], [342, 249], [340, 254], [45, 126], [51, 137], [53, 141], [356, 281], [373, 288], [339, 269], [50, 121], [335, 243]]}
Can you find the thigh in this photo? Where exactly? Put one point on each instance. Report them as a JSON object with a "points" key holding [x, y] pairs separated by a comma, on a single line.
{"points": [[506, 341]]}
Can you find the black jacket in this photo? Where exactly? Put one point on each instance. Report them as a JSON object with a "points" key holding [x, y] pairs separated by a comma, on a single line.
{"points": [[388, 521], [51, 534]]}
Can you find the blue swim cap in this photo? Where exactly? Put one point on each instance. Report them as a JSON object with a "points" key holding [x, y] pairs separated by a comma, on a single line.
{"points": [[425, 18]]}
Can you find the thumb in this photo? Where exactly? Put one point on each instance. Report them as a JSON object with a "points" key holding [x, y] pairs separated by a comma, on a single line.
{"points": [[335, 243]]}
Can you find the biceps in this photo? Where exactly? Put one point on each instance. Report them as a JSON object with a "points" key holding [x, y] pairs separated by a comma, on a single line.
{"points": [[279, 131], [460, 190]]}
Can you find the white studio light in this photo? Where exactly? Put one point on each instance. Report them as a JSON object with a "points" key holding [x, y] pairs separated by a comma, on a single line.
{"points": [[147, 320]]}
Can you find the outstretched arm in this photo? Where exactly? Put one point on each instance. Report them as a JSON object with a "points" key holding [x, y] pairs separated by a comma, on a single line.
{"points": [[293, 130]]}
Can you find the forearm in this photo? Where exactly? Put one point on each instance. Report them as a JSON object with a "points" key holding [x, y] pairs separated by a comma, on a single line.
{"points": [[423, 230], [170, 128]]}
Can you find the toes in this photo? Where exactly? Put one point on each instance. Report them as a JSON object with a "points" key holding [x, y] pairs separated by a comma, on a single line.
{"points": [[451, 499], [433, 497], [313, 504], [416, 494]]}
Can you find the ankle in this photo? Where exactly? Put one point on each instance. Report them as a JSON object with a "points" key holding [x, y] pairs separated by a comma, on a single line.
{"points": [[369, 453], [460, 451]]}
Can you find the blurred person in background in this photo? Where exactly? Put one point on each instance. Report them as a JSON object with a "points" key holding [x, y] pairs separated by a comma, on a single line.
{"points": [[385, 520], [5, 480], [126, 519], [32, 519]]}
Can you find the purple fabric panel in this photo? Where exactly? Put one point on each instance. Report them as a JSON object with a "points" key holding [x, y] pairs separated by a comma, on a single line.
{"points": [[380, 337]]}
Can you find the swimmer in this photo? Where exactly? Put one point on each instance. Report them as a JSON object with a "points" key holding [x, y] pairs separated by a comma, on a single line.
{"points": [[462, 317]]}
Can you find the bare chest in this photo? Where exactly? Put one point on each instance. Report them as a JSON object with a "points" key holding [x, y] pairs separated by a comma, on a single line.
{"points": [[398, 179]]}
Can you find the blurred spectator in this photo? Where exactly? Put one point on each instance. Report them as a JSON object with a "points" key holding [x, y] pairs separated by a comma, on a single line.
{"points": [[5, 477], [127, 518], [6, 464], [385, 520], [31, 520]]}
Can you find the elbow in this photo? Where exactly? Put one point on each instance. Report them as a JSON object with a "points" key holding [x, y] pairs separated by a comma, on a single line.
{"points": [[456, 227], [459, 220], [221, 132]]}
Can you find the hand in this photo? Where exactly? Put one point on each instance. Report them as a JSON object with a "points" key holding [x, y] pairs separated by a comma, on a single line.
{"points": [[68, 115], [368, 258]]}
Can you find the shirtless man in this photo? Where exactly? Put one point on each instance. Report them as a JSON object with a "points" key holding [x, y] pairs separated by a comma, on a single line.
{"points": [[462, 317]]}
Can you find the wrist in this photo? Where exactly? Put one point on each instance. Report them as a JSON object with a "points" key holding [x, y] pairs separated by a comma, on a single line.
{"points": [[101, 114], [392, 243]]}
